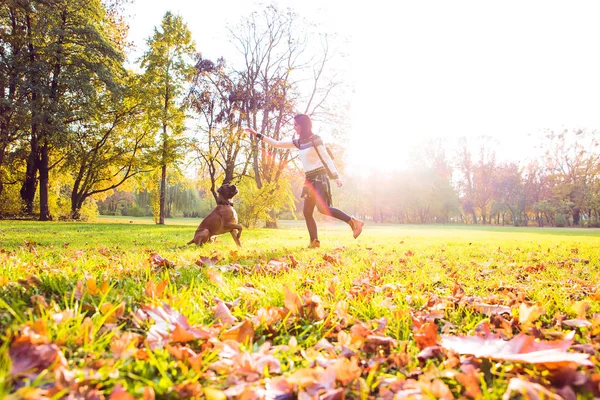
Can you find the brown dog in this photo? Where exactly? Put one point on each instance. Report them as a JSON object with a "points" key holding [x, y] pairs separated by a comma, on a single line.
{"points": [[221, 220]]}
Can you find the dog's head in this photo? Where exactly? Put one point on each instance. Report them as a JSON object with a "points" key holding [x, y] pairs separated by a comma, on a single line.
{"points": [[227, 191]]}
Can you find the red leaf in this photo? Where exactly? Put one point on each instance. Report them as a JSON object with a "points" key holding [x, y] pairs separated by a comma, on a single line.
{"points": [[158, 261]]}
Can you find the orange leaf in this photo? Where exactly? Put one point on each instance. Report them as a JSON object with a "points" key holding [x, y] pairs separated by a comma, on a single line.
{"points": [[119, 393], [469, 379], [292, 301], [242, 333], [91, 287], [426, 335], [346, 370], [440, 390], [112, 312]]}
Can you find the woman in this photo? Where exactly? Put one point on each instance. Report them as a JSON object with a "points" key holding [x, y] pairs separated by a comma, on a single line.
{"points": [[316, 163]]}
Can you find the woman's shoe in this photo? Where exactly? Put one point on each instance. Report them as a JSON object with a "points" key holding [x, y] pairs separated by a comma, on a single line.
{"points": [[315, 244], [356, 225]]}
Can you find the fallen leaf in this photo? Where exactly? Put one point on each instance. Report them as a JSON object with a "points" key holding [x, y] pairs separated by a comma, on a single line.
{"points": [[469, 379], [426, 335], [159, 261], [347, 370], [242, 333], [215, 277], [529, 390], [528, 315], [214, 394], [119, 393], [223, 315], [521, 348], [292, 301]]}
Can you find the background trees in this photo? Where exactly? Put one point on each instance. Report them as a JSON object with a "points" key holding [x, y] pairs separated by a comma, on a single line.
{"points": [[77, 127]]}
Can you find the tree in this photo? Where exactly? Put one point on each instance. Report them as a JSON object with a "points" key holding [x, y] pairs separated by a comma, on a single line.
{"points": [[508, 191], [280, 76], [213, 97], [573, 158], [72, 49], [109, 147], [168, 68], [13, 92]]}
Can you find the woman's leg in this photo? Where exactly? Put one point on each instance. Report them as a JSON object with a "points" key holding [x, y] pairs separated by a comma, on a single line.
{"points": [[333, 212], [308, 210], [354, 223]]}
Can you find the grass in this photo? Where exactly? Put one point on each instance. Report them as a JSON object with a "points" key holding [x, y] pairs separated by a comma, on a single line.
{"points": [[91, 308]]}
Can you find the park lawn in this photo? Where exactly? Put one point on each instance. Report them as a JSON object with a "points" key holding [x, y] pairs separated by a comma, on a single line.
{"points": [[123, 307]]}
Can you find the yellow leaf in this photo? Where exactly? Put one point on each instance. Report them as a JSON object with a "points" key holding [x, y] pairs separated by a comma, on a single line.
{"points": [[580, 308], [528, 315], [214, 394]]}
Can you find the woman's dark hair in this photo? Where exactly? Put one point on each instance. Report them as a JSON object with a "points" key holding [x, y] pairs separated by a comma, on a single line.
{"points": [[305, 125]]}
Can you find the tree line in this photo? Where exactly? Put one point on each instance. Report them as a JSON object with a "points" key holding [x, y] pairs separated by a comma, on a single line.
{"points": [[81, 129], [77, 123], [560, 188]]}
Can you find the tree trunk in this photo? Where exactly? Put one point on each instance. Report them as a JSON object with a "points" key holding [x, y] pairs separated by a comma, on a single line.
{"points": [[44, 172], [576, 216], [163, 190], [29, 186]]}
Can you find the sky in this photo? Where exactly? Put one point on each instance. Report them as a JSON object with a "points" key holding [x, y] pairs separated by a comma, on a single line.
{"points": [[507, 70]]}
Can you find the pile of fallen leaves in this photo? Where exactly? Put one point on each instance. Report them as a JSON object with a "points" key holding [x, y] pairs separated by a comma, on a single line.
{"points": [[94, 341]]}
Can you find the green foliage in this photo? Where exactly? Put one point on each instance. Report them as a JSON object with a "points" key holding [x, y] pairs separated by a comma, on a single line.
{"points": [[256, 204], [560, 221]]}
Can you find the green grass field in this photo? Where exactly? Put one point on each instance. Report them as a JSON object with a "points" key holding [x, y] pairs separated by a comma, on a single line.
{"points": [[121, 309]]}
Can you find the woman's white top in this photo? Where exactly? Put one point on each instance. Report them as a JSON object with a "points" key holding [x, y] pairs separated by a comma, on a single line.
{"points": [[308, 154]]}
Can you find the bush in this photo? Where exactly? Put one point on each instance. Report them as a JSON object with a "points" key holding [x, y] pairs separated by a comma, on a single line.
{"points": [[560, 221]]}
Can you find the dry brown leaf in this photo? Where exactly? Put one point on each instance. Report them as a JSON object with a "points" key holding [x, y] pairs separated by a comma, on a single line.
{"points": [[469, 379], [171, 326], [521, 348], [426, 335], [159, 261], [292, 301], [153, 290], [347, 370], [529, 390], [30, 353], [242, 333], [223, 315], [207, 262], [215, 277]]}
